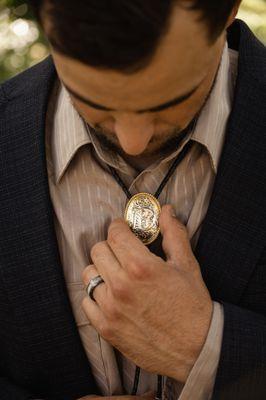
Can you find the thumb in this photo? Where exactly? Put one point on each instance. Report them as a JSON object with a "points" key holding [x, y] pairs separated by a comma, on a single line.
{"points": [[176, 245]]}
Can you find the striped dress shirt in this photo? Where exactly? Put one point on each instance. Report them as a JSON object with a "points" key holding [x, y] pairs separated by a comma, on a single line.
{"points": [[86, 198]]}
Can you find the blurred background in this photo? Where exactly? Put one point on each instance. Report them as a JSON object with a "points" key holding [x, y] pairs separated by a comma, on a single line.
{"points": [[22, 44]]}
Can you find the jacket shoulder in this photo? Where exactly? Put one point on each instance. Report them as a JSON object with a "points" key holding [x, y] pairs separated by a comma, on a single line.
{"points": [[29, 81], [252, 52]]}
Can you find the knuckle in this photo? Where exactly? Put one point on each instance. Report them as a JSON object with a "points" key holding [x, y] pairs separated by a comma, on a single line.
{"points": [[120, 289], [104, 329], [181, 228], [86, 273], [111, 311], [84, 303], [115, 235], [138, 270], [96, 250], [195, 268]]}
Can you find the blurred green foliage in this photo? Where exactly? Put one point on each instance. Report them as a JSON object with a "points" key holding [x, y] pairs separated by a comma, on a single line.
{"points": [[22, 44], [254, 13]]}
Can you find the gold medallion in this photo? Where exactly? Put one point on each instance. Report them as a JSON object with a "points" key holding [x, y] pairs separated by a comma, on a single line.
{"points": [[142, 215]]}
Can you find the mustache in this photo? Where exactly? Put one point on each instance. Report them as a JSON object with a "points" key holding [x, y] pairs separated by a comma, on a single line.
{"points": [[166, 142]]}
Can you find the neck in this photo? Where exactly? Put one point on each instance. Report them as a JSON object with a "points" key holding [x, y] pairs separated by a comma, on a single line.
{"points": [[141, 163]]}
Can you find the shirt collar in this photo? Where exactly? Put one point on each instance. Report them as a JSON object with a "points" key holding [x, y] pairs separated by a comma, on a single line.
{"points": [[212, 123], [70, 131]]}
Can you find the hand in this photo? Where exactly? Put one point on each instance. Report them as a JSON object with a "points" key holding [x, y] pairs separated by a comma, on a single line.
{"points": [[146, 396], [155, 312]]}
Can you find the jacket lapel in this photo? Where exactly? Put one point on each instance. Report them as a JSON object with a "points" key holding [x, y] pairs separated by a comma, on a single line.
{"points": [[233, 233], [29, 259]]}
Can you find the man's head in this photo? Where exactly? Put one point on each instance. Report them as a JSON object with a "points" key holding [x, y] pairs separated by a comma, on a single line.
{"points": [[138, 71]]}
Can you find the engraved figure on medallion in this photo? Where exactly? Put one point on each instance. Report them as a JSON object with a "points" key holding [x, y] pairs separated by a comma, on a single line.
{"points": [[143, 218], [143, 215]]}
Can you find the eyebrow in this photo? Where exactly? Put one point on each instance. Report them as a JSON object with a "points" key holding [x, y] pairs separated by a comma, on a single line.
{"points": [[161, 107]]}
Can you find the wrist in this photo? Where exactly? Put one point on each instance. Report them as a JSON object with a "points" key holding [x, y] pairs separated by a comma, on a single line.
{"points": [[195, 345]]}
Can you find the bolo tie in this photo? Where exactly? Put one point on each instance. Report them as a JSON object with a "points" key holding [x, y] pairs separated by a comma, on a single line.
{"points": [[142, 215]]}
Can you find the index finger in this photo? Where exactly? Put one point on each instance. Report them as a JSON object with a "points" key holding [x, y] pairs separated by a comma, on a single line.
{"points": [[124, 244]]}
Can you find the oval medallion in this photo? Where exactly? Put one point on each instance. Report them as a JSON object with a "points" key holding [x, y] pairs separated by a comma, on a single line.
{"points": [[142, 215]]}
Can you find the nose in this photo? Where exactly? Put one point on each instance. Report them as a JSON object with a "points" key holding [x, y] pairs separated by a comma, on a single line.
{"points": [[134, 132]]}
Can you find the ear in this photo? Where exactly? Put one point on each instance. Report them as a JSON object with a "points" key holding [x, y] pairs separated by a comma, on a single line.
{"points": [[233, 14]]}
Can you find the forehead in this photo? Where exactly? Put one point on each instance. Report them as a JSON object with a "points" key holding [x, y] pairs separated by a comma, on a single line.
{"points": [[181, 60]]}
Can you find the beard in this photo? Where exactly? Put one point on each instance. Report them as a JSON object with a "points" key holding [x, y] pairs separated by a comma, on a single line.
{"points": [[160, 145]]}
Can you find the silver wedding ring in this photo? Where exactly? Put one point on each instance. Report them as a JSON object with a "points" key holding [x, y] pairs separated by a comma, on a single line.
{"points": [[93, 283]]}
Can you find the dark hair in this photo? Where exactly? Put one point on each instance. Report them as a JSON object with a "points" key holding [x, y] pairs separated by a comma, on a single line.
{"points": [[119, 34]]}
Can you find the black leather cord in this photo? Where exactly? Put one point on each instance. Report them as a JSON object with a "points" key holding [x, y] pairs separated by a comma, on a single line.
{"points": [[170, 172], [159, 393], [120, 182], [136, 381], [173, 167]]}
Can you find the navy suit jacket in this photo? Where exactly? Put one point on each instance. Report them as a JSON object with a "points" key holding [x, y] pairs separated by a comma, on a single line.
{"points": [[41, 354]]}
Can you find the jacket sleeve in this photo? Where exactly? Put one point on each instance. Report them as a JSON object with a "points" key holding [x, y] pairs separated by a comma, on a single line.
{"points": [[241, 371], [10, 391]]}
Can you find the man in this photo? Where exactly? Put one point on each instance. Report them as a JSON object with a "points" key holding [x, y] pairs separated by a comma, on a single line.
{"points": [[142, 93]]}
